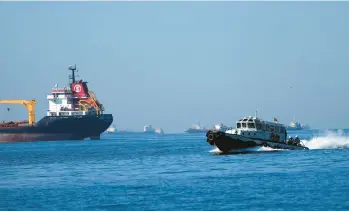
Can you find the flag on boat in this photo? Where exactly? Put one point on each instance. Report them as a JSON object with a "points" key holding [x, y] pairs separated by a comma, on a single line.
{"points": [[275, 119]]}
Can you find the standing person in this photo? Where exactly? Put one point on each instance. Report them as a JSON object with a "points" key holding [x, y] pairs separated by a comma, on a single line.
{"points": [[296, 140], [290, 140]]}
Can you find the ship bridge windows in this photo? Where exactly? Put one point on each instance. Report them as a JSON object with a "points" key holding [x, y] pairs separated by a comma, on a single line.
{"points": [[57, 101], [63, 113], [250, 125], [238, 125], [244, 125], [53, 113], [77, 113]]}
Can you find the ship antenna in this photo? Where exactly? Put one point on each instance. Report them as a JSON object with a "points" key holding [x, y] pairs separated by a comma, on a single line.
{"points": [[256, 114], [72, 77]]}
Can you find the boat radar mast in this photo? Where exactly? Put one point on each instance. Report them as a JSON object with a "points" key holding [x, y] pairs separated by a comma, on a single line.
{"points": [[72, 76]]}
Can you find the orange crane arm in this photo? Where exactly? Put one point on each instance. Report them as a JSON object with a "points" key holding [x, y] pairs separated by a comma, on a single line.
{"points": [[28, 104]]}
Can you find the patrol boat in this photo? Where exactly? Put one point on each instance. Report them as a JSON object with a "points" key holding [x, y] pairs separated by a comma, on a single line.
{"points": [[251, 132]]}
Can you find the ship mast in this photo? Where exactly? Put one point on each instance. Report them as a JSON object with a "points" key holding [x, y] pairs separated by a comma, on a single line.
{"points": [[72, 76]]}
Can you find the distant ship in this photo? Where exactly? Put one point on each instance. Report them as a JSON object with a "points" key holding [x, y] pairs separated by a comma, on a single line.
{"points": [[150, 130], [197, 128], [221, 127], [111, 129], [295, 125]]}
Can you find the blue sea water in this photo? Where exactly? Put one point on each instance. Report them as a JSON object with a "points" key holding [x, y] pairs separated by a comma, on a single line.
{"points": [[174, 172]]}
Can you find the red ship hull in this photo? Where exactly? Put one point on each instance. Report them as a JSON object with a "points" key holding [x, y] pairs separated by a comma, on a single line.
{"points": [[26, 137]]}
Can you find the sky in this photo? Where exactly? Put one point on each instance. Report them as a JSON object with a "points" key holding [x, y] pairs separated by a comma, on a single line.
{"points": [[173, 64]]}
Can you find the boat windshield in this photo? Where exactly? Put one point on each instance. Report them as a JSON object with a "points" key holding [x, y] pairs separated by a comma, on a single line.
{"points": [[250, 125]]}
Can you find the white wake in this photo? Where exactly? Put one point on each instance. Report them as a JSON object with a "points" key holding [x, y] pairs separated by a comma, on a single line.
{"points": [[330, 140], [215, 150]]}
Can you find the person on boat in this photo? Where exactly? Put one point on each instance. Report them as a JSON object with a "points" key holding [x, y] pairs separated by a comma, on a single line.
{"points": [[296, 140], [290, 140]]}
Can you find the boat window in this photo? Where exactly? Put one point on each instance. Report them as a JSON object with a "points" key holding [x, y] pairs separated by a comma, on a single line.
{"points": [[63, 113], [282, 130], [244, 120], [77, 113], [270, 128], [276, 129], [243, 124], [251, 125], [250, 120], [238, 125]]}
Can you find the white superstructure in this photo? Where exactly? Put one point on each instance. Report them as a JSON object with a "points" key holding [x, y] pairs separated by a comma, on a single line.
{"points": [[75, 99], [148, 128], [256, 128], [220, 127], [111, 129]]}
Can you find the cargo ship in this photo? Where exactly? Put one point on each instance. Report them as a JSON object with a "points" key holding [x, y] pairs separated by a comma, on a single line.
{"points": [[295, 125], [148, 129], [111, 129], [197, 128], [74, 113], [221, 127]]}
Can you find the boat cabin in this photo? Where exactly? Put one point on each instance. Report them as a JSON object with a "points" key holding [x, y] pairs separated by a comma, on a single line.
{"points": [[256, 128]]}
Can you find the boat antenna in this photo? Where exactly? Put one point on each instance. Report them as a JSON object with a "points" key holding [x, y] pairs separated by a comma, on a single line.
{"points": [[256, 114], [72, 76]]}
